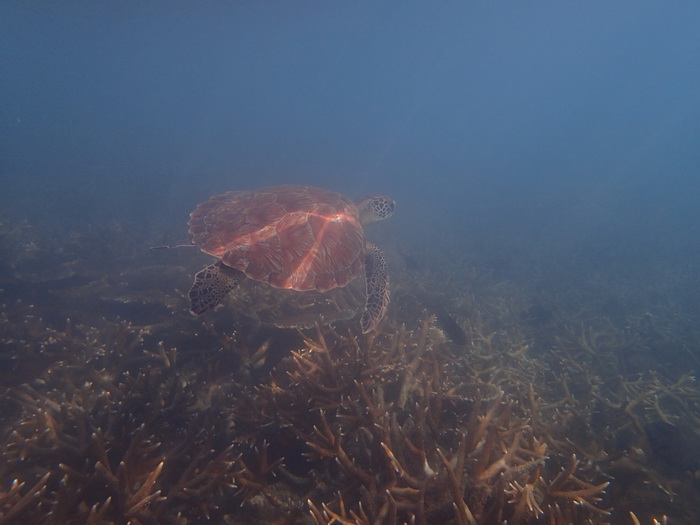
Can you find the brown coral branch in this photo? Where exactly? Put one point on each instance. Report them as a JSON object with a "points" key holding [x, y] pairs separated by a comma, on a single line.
{"points": [[463, 513], [15, 508]]}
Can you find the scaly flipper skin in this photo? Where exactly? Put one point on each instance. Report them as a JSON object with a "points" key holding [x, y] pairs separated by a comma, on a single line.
{"points": [[376, 272], [211, 285]]}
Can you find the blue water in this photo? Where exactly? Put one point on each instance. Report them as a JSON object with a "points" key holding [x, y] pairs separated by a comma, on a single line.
{"points": [[534, 118], [552, 146]]}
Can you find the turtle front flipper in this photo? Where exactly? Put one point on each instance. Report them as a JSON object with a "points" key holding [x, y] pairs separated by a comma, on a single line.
{"points": [[211, 285], [377, 275]]}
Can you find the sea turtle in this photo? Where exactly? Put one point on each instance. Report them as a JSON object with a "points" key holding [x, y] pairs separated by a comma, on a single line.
{"points": [[291, 238]]}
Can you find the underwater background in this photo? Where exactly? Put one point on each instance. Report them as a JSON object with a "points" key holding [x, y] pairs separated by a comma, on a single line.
{"points": [[537, 361]]}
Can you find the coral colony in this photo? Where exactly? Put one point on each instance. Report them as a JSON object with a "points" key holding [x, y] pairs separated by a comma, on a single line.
{"points": [[119, 407]]}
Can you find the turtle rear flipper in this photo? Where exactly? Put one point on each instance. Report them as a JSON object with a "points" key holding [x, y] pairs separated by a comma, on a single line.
{"points": [[377, 276], [211, 285]]}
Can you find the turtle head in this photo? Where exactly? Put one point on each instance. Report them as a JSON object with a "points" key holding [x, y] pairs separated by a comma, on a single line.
{"points": [[375, 208]]}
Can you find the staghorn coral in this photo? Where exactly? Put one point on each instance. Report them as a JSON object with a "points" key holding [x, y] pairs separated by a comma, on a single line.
{"points": [[382, 428], [479, 402], [106, 434]]}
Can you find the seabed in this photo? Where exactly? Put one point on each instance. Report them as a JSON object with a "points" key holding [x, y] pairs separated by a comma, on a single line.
{"points": [[481, 399]]}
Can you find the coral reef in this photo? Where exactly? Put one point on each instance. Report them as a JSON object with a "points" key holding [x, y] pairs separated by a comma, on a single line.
{"points": [[477, 402], [389, 436]]}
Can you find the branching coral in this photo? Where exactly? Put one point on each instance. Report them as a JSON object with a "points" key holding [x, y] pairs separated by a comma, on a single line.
{"points": [[99, 446], [382, 423], [473, 406]]}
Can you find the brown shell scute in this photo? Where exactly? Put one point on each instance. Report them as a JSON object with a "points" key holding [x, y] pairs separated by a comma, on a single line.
{"points": [[293, 237]]}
